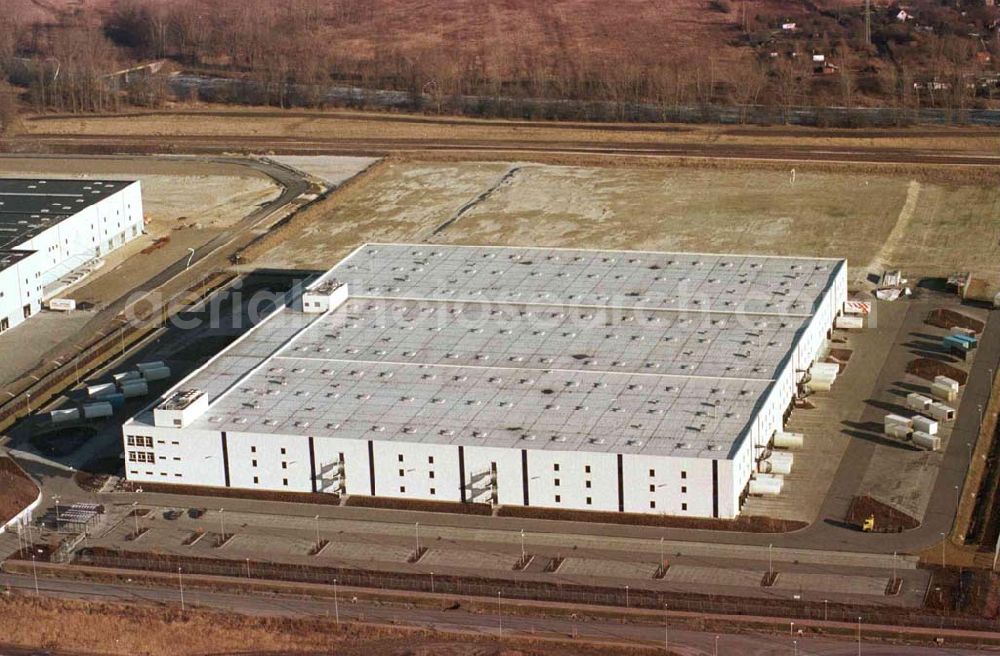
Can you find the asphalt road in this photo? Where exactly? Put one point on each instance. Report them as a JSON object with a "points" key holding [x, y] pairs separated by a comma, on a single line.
{"points": [[489, 625]]}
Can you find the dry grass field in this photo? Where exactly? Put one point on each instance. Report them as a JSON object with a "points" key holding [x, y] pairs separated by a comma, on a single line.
{"points": [[17, 491], [95, 627], [234, 122], [872, 220]]}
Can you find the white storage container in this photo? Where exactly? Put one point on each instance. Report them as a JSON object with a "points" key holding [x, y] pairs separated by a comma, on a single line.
{"points": [[136, 388], [101, 389], [766, 486], [824, 368], [943, 392], [949, 382], [819, 385], [940, 411], [62, 416], [157, 373], [788, 440], [125, 376], [143, 366], [98, 410], [958, 330], [849, 322], [896, 420], [771, 466], [923, 424], [916, 401], [927, 441]]}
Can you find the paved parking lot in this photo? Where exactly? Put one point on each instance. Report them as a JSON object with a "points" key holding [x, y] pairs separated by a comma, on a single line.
{"points": [[832, 584], [473, 560], [612, 569]]}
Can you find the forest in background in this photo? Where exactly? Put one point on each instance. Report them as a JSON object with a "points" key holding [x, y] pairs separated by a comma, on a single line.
{"points": [[513, 57]]}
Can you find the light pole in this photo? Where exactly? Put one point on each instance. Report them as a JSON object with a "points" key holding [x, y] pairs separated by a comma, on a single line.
{"points": [[432, 582], [716, 645], [135, 516], [336, 604], [944, 541], [661, 553], [27, 401], [248, 568], [770, 564], [795, 647], [499, 613], [180, 584], [34, 572], [791, 629], [826, 610], [626, 597], [859, 635], [522, 547], [416, 532], [317, 533], [222, 522]]}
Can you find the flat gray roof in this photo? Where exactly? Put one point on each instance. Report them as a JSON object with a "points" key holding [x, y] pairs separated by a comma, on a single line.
{"points": [[526, 348]]}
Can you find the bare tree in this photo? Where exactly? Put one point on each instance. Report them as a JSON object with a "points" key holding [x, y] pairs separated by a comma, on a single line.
{"points": [[747, 79]]}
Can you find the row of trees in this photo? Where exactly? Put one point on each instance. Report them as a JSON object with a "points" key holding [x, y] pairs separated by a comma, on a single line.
{"points": [[283, 53]]}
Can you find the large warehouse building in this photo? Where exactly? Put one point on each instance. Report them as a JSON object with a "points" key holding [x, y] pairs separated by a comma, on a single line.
{"points": [[576, 379], [52, 232]]}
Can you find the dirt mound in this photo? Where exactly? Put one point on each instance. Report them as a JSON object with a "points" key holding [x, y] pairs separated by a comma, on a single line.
{"points": [[887, 518], [17, 491], [948, 319], [928, 368]]}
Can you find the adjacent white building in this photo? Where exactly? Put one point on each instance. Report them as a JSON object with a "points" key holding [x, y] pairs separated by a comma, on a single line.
{"points": [[577, 379], [53, 231]]}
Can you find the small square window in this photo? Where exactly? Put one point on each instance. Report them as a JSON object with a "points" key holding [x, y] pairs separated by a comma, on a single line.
{"points": [[558, 498], [588, 485], [652, 488], [284, 482], [402, 489], [684, 506], [586, 469], [430, 460], [433, 491], [589, 501], [555, 467], [253, 449], [684, 474], [430, 474], [402, 472], [652, 473], [283, 451], [401, 457], [253, 463], [652, 504], [256, 480], [557, 482], [684, 489]]}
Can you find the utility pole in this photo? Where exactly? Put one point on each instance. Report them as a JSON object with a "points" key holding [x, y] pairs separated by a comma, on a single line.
{"points": [[868, 22]]}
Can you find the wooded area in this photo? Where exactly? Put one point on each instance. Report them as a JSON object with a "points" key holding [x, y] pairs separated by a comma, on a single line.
{"points": [[534, 60]]}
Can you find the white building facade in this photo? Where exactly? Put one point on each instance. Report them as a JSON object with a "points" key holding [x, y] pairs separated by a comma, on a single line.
{"points": [[51, 231], [580, 380]]}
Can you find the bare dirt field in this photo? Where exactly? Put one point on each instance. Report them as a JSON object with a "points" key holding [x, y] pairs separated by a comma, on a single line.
{"points": [[873, 220]]}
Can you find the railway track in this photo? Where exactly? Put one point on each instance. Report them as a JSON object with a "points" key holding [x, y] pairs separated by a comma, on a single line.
{"points": [[201, 144]]}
